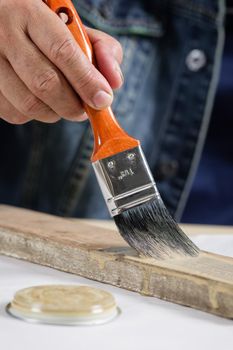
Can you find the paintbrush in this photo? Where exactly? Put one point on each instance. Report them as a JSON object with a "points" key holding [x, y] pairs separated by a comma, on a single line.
{"points": [[123, 174]]}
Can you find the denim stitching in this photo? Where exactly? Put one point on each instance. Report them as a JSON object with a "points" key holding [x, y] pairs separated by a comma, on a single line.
{"points": [[120, 26], [177, 185], [171, 124], [193, 8], [30, 190], [207, 110], [77, 176]]}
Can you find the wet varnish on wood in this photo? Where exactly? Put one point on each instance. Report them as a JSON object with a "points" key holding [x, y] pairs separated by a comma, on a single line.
{"points": [[204, 282]]}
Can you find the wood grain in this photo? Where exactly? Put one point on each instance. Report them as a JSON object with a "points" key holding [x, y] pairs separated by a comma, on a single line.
{"points": [[204, 282]]}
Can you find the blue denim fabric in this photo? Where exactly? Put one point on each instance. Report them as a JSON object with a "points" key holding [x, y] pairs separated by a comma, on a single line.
{"points": [[163, 103], [211, 197]]}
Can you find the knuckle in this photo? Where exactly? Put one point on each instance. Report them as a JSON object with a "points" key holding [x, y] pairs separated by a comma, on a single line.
{"points": [[31, 105], [5, 21], [64, 51], [86, 80], [75, 114], [6, 5], [8, 13], [45, 82]]}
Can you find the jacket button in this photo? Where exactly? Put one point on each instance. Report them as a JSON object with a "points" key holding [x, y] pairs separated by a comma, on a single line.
{"points": [[196, 60]]}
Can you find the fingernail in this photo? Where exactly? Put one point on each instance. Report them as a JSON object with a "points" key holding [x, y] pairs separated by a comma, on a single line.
{"points": [[119, 71], [102, 99]]}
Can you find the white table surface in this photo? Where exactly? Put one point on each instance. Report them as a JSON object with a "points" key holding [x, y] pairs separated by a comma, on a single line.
{"points": [[145, 323]]}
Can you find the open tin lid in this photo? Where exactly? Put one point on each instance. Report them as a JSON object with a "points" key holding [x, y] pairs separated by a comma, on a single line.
{"points": [[64, 305]]}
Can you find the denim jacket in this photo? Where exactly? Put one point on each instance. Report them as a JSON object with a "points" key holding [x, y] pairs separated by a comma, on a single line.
{"points": [[172, 54]]}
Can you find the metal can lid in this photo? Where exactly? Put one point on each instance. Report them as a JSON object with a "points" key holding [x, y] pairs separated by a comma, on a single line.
{"points": [[64, 304]]}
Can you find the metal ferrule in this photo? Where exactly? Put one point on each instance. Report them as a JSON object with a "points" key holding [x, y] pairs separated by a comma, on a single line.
{"points": [[125, 180]]}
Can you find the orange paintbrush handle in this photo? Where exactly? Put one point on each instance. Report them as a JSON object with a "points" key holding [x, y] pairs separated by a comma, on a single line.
{"points": [[109, 137]]}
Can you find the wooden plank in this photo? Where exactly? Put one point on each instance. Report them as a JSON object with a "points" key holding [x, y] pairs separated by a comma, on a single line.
{"points": [[204, 282]]}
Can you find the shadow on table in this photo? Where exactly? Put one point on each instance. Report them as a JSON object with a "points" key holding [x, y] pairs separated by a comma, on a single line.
{"points": [[182, 311], [3, 311]]}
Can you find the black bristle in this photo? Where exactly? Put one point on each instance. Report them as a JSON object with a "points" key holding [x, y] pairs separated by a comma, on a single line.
{"points": [[150, 229]]}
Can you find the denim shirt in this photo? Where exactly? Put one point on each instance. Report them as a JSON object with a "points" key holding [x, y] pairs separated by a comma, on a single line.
{"points": [[172, 53]]}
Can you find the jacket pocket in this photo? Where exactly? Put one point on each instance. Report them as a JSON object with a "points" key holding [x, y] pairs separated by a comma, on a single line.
{"points": [[121, 16], [138, 28]]}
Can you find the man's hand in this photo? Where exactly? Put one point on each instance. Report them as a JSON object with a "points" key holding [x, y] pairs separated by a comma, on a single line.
{"points": [[43, 72]]}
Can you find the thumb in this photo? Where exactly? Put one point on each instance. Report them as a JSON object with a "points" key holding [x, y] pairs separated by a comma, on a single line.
{"points": [[54, 39]]}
